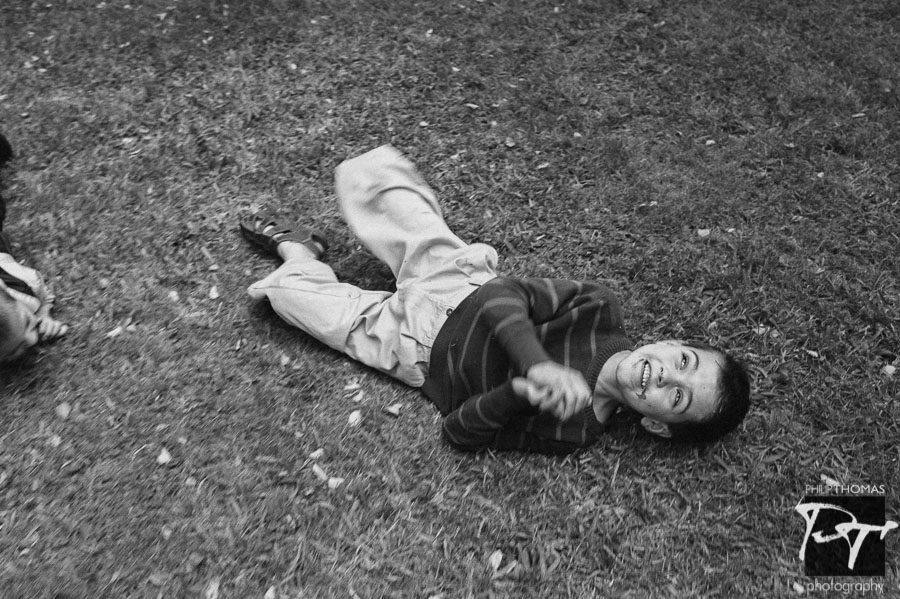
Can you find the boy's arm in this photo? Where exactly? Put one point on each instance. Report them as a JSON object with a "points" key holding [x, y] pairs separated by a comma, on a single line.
{"points": [[498, 419], [478, 423], [514, 308]]}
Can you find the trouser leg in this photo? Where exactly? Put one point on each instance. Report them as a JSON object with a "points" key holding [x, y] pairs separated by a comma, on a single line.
{"points": [[365, 325], [394, 213]]}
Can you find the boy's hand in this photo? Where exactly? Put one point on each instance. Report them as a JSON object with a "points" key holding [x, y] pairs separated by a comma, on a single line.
{"points": [[48, 329], [554, 388]]}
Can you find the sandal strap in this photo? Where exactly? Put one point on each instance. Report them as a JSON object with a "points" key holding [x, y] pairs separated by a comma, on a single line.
{"points": [[268, 232]]}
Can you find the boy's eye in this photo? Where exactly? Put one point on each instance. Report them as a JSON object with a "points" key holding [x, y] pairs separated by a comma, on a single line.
{"points": [[678, 396], [684, 360]]}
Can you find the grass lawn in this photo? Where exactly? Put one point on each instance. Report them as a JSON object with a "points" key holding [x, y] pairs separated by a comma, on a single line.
{"points": [[729, 168]]}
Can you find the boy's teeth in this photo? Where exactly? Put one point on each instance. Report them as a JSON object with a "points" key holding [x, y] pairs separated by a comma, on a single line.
{"points": [[645, 375]]}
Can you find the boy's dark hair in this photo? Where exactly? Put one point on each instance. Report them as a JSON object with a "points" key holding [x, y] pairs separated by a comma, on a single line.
{"points": [[732, 405]]}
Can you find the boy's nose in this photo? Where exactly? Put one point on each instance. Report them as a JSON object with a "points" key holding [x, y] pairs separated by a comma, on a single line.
{"points": [[669, 377]]}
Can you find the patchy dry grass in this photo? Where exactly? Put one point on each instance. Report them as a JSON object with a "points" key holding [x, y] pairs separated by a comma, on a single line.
{"points": [[583, 140]]}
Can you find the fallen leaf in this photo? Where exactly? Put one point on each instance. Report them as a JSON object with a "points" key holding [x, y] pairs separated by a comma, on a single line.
{"points": [[164, 457], [703, 233], [63, 410], [495, 559], [506, 569], [888, 370], [359, 396], [173, 296], [285, 360], [270, 593], [798, 588], [353, 385], [193, 561], [211, 590], [393, 409], [320, 474], [115, 332], [355, 418], [55, 440], [829, 481], [317, 454], [213, 292], [334, 482]]}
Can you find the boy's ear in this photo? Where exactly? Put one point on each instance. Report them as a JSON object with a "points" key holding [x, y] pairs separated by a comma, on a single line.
{"points": [[655, 427]]}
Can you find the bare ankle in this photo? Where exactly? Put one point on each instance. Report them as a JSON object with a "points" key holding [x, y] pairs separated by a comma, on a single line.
{"points": [[291, 250]]}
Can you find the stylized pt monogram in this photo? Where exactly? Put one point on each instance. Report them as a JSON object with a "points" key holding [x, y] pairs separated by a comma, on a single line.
{"points": [[810, 512]]}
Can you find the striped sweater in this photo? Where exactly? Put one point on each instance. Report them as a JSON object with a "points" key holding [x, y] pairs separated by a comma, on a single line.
{"points": [[498, 333]]}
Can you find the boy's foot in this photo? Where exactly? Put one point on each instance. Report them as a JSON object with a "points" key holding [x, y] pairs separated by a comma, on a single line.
{"points": [[267, 233]]}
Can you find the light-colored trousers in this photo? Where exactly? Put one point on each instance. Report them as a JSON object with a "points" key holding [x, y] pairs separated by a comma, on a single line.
{"points": [[388, 206]]}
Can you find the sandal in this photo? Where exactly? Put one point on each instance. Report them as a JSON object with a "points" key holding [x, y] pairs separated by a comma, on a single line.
{"points": [[255, 231]]}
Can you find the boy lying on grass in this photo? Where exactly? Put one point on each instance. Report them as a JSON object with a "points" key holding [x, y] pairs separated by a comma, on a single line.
{"points": [[24, 298], [511, 363]]}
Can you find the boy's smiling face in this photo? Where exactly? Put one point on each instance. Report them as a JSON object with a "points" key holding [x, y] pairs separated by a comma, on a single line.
{"points": [[670, 382], [20, 328]]}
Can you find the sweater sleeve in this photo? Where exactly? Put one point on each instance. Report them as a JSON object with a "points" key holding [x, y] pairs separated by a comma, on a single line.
{"points": [[515, 307], [502, 421], [477, 422]]}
